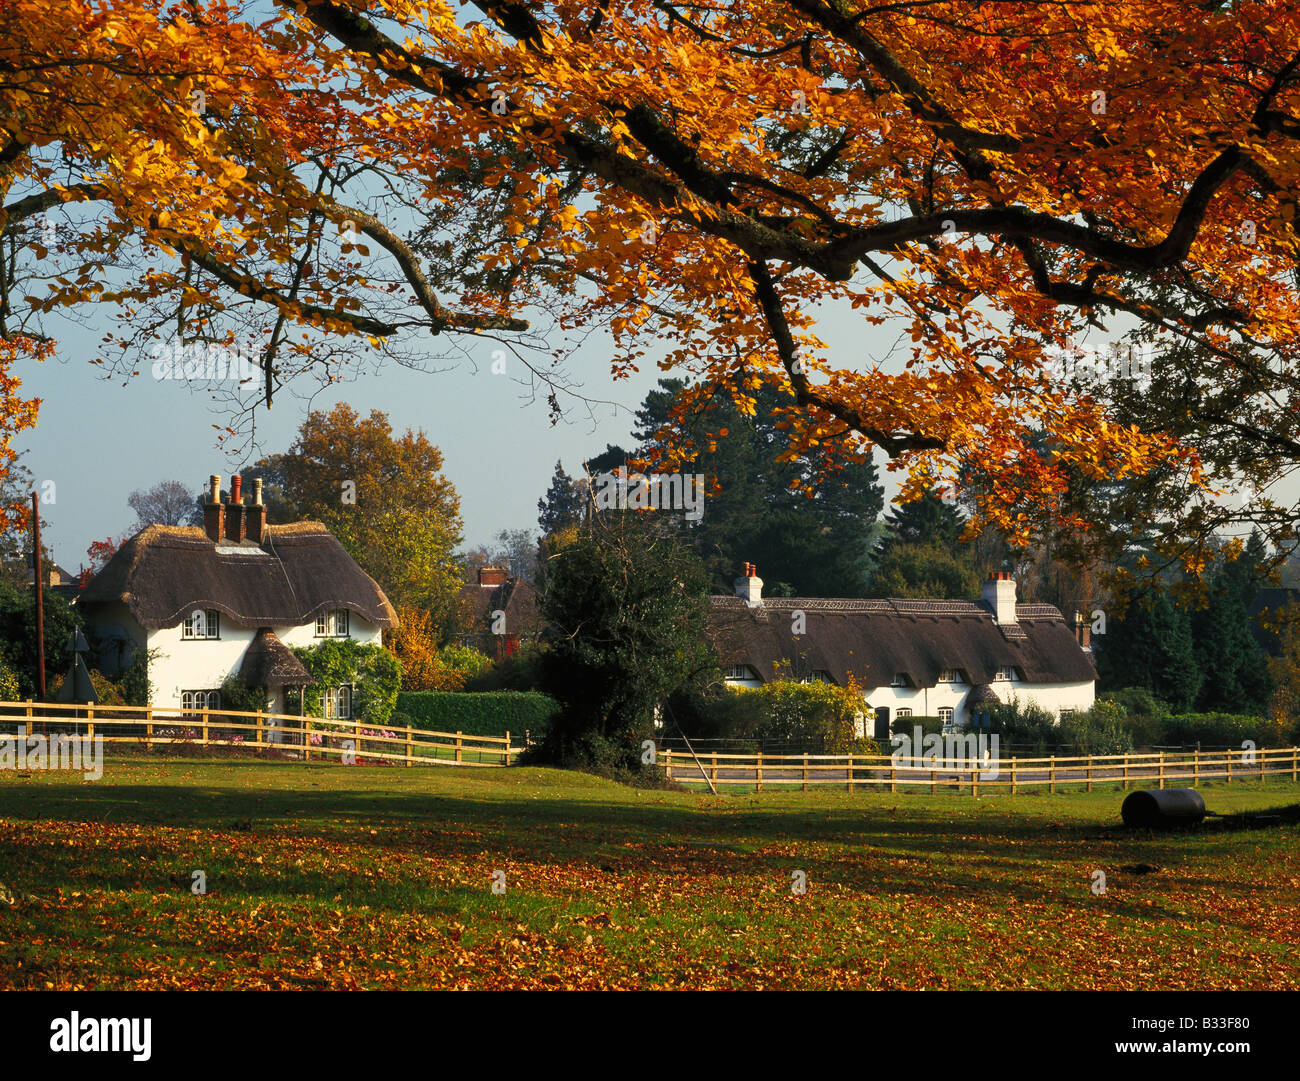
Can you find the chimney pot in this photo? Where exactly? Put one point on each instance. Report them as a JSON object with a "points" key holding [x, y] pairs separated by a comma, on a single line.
{"points": [[214, 488], [749, 587], [236, 493], [257, 491]]}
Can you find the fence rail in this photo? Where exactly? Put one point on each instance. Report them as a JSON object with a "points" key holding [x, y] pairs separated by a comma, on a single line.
{"points": [[308, 737], [852, 771]]}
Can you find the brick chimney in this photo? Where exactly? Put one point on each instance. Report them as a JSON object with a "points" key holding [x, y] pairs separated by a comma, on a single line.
{"points": [[492, 576], [1083, 631], [749, 586], [235, 524], [255, 515], [1000, 596], [214, 513]]}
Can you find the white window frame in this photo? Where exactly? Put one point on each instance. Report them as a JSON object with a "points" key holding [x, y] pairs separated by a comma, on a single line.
{"points": [[1007, 673], [950, 675], [899, 680], [819, 676], [338, 702], [333, 624], [195, 702], [739, 672], [211, 626], [903, 711], [947, 715]]}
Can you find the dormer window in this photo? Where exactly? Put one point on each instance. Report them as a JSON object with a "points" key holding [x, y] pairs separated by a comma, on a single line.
{"points": [[819, 676], [740, 672], [950, 675], [1006, 672], [202, 623], [899, 680], [332, 624]]}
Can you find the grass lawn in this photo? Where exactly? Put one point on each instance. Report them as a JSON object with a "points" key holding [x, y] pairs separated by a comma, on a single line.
{"points": [[334, 876]]}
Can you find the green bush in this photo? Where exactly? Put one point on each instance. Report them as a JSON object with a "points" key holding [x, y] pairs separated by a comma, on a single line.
{"points": [[820, 714], [1100, 730], [1025, 725], [1215, 729], [1144, 714], [490, 713], [904, 726]]}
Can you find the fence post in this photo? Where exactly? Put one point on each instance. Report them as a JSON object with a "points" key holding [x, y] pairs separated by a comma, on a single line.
{"points": [[758, 777], [668, 764], [850, 771], [974, 782], [148, 729], [460, 744], [1051, 776], [27, 723], [1227, 758], [1295, 762], [1013, 776], [204, 722], [1196, 766], [1262, 754], [893, 776], [306, 740], [257, 732], [507, 762], [1126, 754], [805, 773], [1162, 769], [1089, 774], [90, 722]]}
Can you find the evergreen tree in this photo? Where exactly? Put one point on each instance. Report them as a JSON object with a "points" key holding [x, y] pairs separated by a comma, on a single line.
{"points": [[563, 504], [1152, 647], [1235, 667], [922, 554]]}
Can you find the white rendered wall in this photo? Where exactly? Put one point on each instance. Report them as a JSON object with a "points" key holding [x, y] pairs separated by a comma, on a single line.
{"points": [[189, 664]]}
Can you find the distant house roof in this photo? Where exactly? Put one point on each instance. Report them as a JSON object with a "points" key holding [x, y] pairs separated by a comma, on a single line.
{"points": [[268, 662], [298, 572], [876, 640], [1266, 607], [516, 597]]}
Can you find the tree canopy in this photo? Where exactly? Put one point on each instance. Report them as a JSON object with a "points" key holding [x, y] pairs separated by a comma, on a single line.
{"points": [[993, 177]]}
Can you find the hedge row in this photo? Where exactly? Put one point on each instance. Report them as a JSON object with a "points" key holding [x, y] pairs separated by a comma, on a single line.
{"points": [[489, 713]]}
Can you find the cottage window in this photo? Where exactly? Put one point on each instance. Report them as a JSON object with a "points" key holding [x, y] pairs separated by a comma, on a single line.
{"points": [[819, 676], [195, 702], [338, 702], [202, 624], [902, 711], [950, 675], [740, 671], [332, 624], [899, 680], [1006, 672], [1066, 714], [945, 715]]}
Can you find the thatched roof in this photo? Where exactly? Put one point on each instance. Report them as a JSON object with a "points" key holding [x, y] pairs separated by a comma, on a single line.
{"points": [[875, 640], [268, 662], [299, 571]]}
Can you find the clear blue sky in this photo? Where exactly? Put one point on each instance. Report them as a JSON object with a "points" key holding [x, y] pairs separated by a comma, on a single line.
{"points": [[99, 440]]}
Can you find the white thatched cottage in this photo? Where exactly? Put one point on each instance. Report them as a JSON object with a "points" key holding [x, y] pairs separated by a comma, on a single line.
{"points": [[933, 658], [229, 599]]}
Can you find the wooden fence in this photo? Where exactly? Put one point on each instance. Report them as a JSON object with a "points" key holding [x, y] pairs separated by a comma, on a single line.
{"points": [[309, 738], [1013, 774]]}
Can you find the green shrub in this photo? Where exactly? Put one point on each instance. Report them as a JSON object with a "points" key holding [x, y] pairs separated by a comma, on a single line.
{"points": [[1025, 725], [904, 726], [1144, 714], [240, 697], [10, 690], [490, 713], [1215, 729], [1100, 730]]}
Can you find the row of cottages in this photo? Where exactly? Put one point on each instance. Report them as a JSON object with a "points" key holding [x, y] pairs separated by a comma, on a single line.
{"points": [[229, 599], [931, 658]]}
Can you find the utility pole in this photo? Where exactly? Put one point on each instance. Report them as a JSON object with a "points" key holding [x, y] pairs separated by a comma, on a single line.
{"points": [[40, 599]]}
